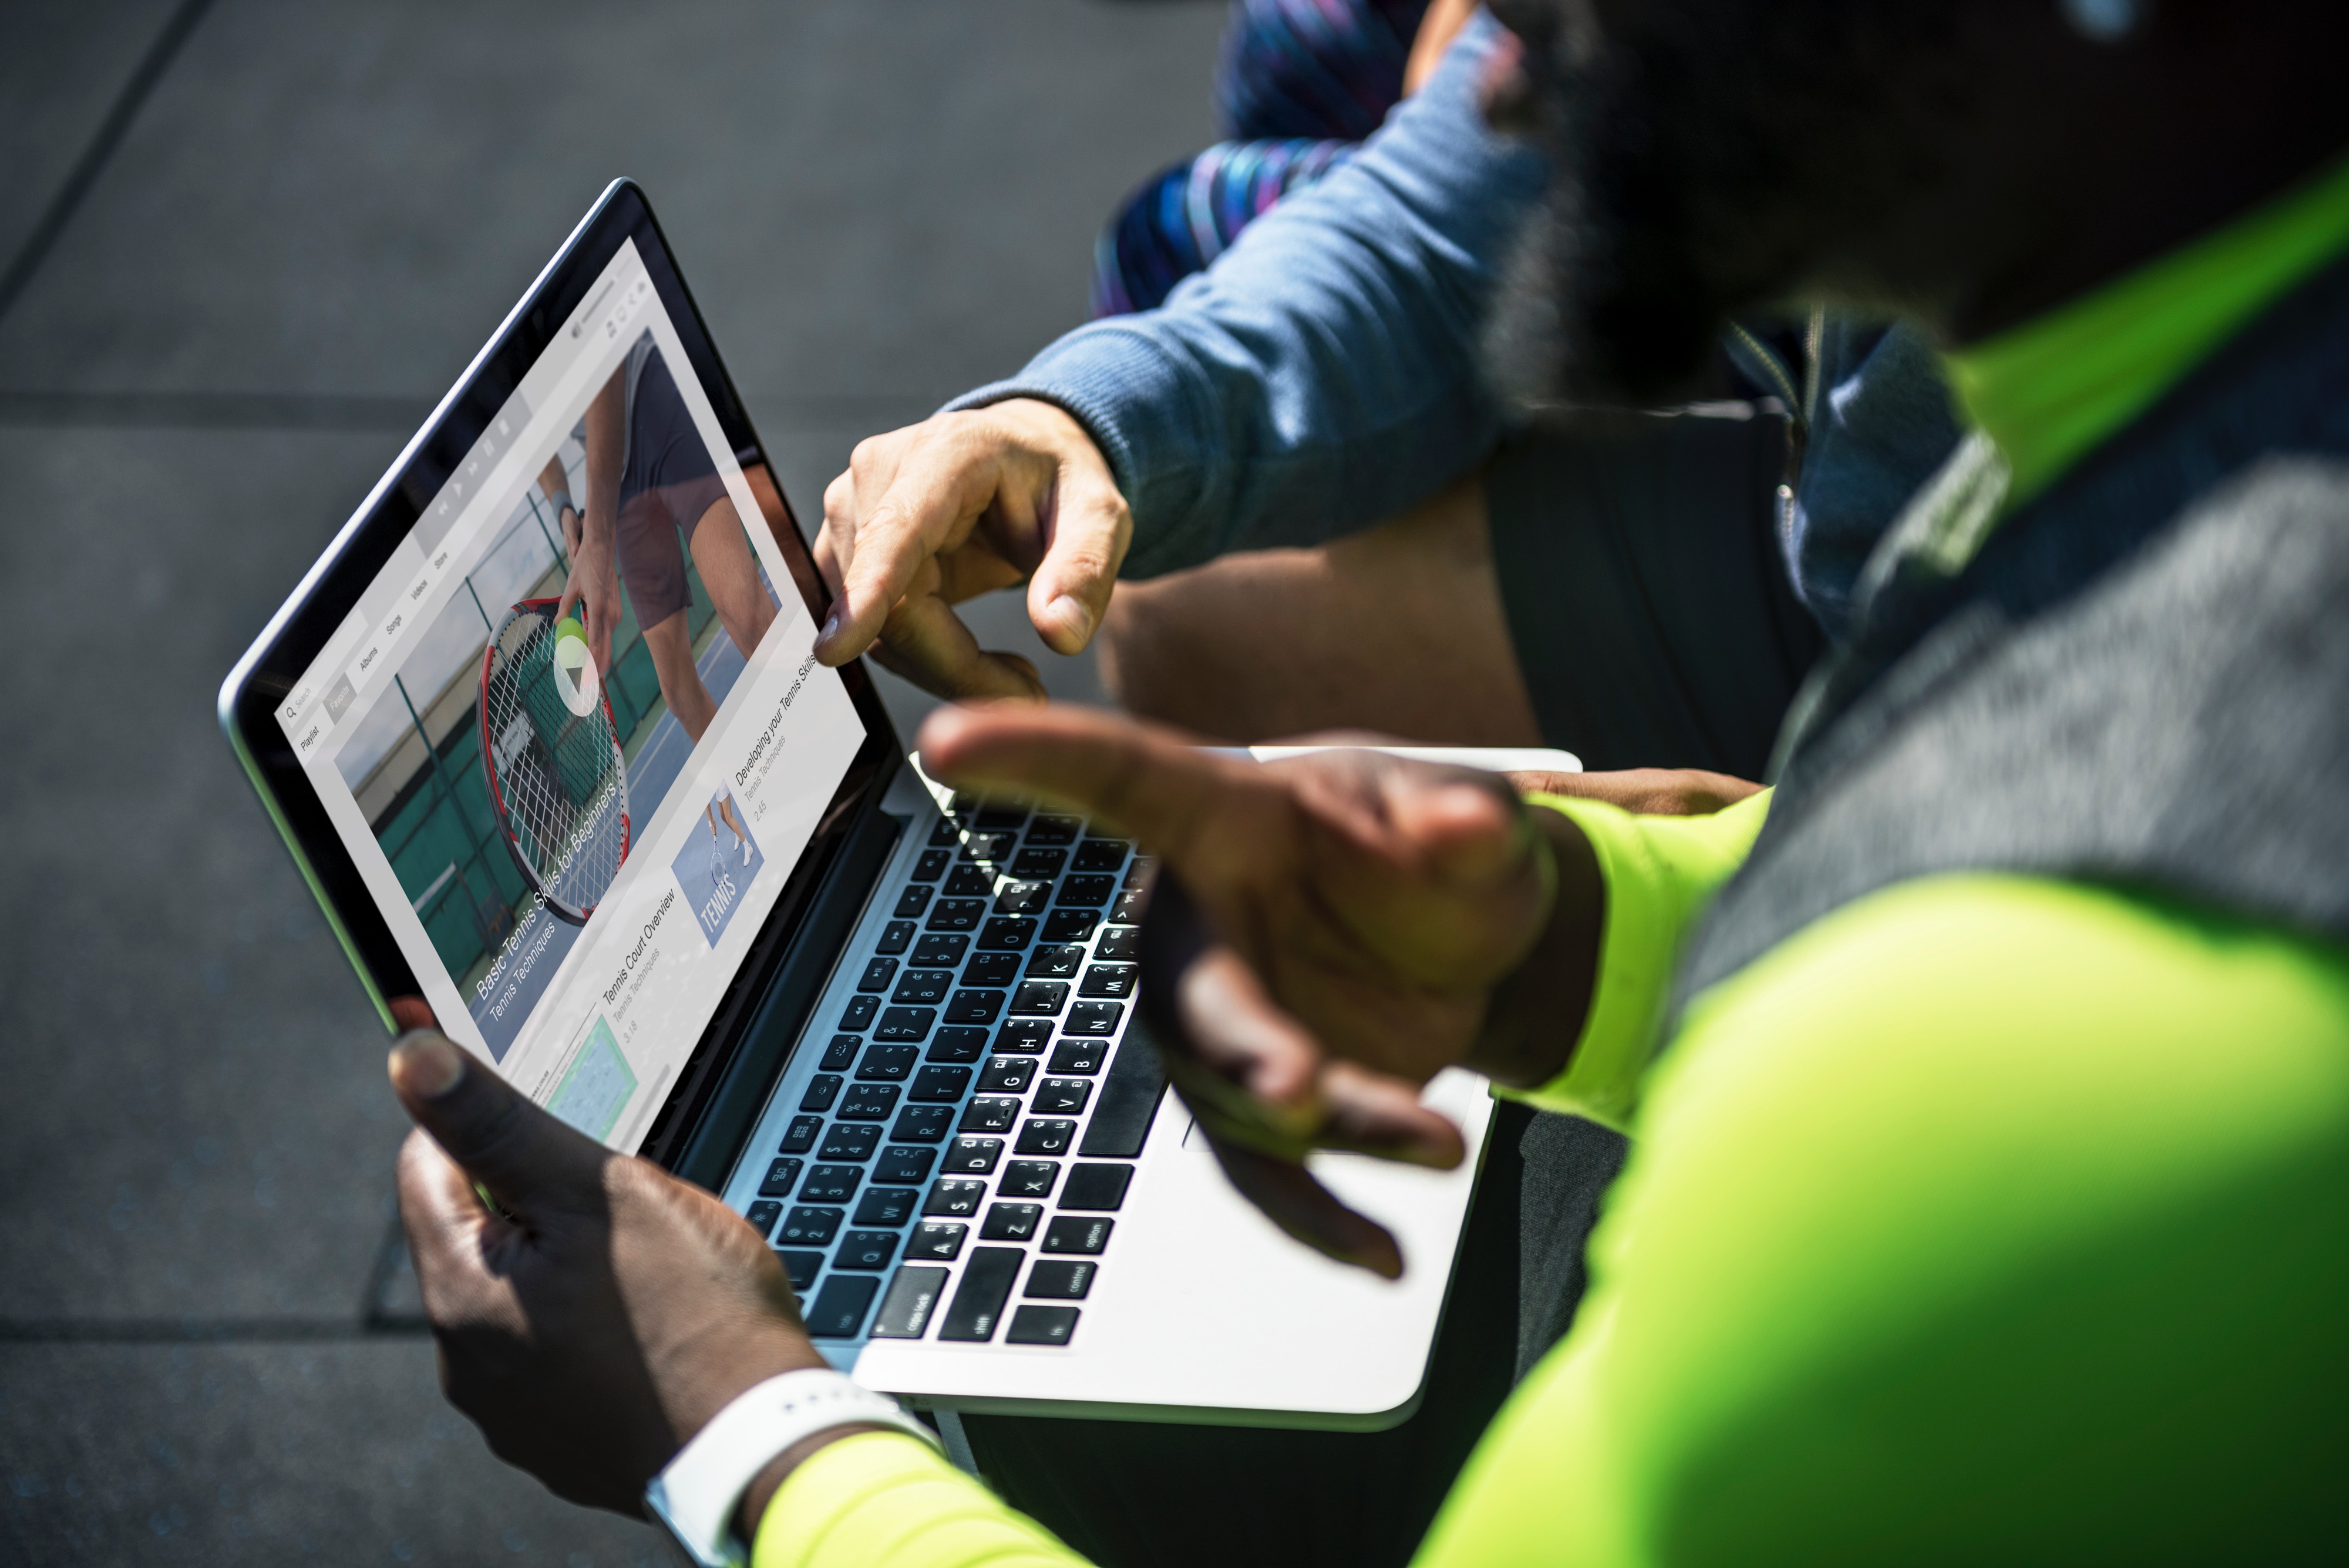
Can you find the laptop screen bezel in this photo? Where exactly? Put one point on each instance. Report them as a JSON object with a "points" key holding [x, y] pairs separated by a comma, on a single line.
{"points": [[300, 628]]}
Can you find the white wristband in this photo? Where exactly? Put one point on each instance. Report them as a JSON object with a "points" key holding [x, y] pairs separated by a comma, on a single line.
{"points": [[695, 1496]]}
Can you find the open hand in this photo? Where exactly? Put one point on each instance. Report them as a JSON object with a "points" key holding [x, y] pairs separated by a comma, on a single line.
{"points": [[603, 1311], [1330, 932], [962, 504]]}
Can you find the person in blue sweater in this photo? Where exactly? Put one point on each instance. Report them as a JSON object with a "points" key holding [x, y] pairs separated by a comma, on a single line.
{"points": [[1301, 441]]}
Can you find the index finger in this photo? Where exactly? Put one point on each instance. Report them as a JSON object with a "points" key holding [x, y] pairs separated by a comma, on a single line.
{"points": [[937, 487], [1149, 782]]}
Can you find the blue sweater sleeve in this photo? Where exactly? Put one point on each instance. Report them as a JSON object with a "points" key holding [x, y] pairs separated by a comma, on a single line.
{"points": [[1322, 375]]}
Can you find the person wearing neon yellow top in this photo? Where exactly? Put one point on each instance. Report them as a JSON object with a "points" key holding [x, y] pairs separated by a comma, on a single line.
{"points": [[1989, 1077]]}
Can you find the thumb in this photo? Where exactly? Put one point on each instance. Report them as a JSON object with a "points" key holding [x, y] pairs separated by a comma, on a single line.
{"points": [[1068, 594], [528, 1161]]}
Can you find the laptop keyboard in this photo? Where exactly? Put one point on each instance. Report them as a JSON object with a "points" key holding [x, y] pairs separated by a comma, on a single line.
{"points": [[954, 1167]]}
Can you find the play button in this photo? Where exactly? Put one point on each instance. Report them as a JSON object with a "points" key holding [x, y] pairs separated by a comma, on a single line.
{"points": [[575, 671]]}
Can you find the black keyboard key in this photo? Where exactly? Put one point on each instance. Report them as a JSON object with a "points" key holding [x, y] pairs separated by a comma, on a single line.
{"points": [[938, 1239], [877, 974], [957, 1043], [984, 1115], [906, 1165], [1119, 942], [912, 902], [991, 969], [974, 1006], [1091, 892], [840, 1307], [1028, 1178], [803, 1267], [923, 987], [913, 1296], [1011, 1221], [939, 951], [1070, 925], [1127, 910], [1054, 830], [979, 1301], [762, 1217], [1039, 998], [1039, 865], [1007, 933], [1100, 855], [1078, 1055], [957, 914], [1078, 1233], [923, 1123], [782, 1176], [1042, 1326], [973, 1156], [858, 1014], [869, 1103], [989, 846], [1054, 1279], [939, 1086], [971, 882], [888, 1206], [947, 834], [801, 1135], [1024, 1036], [809, 1228], [1008, 1076], [1129, 1098], [1047, 1135], [866, 1249], [1023, 898], [1112, 980], [1094, 1018], [841, 1055], [821, 1092], [959, 1199], [831, 1184], [1000, 818], [1101, 1188], [1063, 1097], [902, 1024], [850, 1140], [1143, 865], [1059, 961], [895, 936], [887, 1063], [931, 864]]}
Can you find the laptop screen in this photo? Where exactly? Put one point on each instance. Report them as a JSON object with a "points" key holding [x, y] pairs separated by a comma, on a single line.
{"points": [[573, 736]]}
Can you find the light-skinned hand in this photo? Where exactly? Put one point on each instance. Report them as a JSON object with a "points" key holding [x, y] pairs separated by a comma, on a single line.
{"points": [[1328, 933], [962, 504]]}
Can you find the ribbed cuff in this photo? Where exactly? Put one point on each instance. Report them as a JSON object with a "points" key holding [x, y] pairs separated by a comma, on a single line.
{"points": [[882, 1500], [1660, 873]]}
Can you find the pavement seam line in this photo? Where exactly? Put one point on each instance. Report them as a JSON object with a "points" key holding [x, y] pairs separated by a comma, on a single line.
{"points": [[84, 174]]}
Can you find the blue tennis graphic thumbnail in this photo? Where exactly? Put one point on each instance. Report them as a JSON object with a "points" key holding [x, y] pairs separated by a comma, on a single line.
{"points": [[716, 864]]}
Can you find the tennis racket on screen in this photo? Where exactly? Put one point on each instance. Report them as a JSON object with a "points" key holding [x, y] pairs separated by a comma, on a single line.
{"points": [[551, 756]]}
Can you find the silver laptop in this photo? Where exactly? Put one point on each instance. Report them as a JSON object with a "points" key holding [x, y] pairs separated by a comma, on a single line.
{"points": [[681, 884]]}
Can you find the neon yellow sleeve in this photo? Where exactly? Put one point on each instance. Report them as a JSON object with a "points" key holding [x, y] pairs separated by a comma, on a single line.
{"points": [[1659, 872], [1986, 1218], [882, 1500]]}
